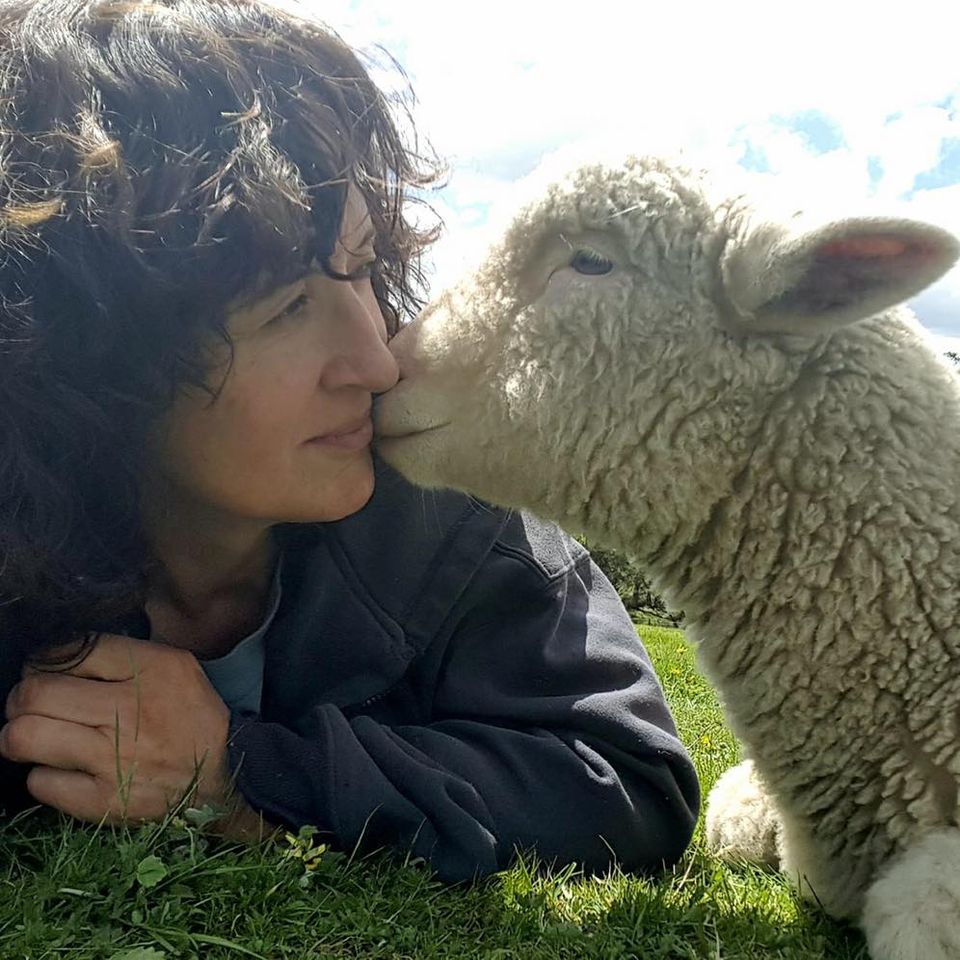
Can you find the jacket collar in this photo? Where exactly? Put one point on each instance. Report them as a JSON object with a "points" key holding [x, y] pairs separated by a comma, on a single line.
{"points": [[362, 597]]}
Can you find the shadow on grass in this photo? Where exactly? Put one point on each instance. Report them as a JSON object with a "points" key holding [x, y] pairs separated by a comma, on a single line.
{"points": [[704, 909], [78, 891]]}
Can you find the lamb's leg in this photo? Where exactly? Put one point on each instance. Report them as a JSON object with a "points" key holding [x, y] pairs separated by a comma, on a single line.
{"points": [[742, 822], [912, 911]]}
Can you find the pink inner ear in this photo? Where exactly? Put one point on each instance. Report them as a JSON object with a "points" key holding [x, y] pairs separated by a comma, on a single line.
{"points": [[866, 248], [907, 250]]}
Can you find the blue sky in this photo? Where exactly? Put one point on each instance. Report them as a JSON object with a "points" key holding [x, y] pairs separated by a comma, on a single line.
{"points": [[855, 103]]}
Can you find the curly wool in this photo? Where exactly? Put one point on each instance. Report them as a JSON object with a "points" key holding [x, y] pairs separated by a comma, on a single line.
{"points": [[738, 403]]}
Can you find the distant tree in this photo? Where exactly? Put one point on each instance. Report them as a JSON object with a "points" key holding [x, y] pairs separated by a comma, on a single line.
{"points": [[955, 357], [631, 582]]}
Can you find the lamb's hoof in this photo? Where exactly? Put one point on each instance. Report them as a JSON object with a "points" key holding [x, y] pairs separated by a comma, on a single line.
{"points": [[912, 912], [741, 821]]}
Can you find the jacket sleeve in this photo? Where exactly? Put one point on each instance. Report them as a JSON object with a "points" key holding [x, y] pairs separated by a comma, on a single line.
{"points": [[547, 731]]}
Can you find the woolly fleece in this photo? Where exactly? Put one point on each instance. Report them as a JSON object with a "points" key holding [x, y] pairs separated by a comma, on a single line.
{"points": [[737, 402]]}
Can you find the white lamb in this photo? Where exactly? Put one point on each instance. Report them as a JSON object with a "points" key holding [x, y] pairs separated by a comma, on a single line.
{"points": [[731, 400]]}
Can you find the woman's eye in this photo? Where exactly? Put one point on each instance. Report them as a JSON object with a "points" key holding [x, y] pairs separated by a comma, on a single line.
{"points": [[364, 271], [591, 263], [291, 309]]}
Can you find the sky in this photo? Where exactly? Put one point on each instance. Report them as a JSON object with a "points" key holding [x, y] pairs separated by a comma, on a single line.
{"points": [[855, 103]]}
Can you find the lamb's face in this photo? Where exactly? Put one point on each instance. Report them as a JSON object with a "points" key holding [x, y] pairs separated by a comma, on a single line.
{"points": [[513, 371], [619, 346]]}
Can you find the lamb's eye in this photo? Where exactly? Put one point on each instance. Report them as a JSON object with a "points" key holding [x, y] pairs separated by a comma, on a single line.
{"points": [[591, 263]]}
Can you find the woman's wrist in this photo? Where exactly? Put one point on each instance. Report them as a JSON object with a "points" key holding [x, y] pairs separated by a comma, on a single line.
{"points": [[243, 823]]}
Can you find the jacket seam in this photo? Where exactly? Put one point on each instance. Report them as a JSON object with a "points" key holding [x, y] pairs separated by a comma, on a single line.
{"points": [[401, 622], [439, 555], [331, 764], [529, 560], [392, 627]]}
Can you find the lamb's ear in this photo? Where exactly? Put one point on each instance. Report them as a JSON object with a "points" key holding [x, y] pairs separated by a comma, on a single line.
{"points": [[788, 281]]}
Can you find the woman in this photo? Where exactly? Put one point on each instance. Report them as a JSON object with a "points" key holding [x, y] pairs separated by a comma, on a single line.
{"points": [[205, 250]]}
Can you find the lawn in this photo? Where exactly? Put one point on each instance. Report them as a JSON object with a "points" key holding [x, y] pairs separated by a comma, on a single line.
{"points": [[171, 893]]}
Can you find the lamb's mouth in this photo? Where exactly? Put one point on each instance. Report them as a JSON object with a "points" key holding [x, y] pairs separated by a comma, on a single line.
{"points": [[410, 432]]}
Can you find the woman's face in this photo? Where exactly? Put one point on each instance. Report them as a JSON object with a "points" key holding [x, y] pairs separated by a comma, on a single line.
{"points": [[288, 437]]}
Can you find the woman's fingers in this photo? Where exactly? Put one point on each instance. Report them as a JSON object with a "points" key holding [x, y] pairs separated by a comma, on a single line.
{"points": [[79, 771], [134, 718], [61, 696], [32, 738], [78, 794]]}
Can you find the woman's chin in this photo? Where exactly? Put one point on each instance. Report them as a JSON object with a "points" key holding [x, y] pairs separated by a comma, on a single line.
{"points": [[340, 495]]}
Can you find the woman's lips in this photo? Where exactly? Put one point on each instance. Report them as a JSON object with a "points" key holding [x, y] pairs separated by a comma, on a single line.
{"points": [[352, 437]]}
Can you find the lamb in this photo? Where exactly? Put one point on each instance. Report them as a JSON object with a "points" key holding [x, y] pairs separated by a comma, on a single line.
{"points": [[737, 401]]}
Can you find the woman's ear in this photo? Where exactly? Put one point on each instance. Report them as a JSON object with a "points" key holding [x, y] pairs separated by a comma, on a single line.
{"points": [[779, 279]]}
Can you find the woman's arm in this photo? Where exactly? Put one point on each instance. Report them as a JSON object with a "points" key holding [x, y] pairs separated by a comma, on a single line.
{"points": [[547, 730]]}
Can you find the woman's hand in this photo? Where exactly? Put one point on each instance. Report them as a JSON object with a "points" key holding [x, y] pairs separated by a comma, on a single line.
{"points": [[125, 735]]}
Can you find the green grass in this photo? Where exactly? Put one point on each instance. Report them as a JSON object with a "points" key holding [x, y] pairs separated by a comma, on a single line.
{"points": [[171, 893]]}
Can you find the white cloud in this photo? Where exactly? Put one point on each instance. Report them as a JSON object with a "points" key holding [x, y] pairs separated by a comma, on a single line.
{"points": [[939, 307], [512, 74], [941, 206], [509, 82], [909, 145]]}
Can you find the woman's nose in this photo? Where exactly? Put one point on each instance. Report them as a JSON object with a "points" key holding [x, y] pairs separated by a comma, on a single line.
{"points": [[360, 356]]}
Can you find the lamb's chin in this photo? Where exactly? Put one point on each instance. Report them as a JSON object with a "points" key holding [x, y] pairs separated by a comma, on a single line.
{"points": [[414, 455], [432, 459], [424, 457]]}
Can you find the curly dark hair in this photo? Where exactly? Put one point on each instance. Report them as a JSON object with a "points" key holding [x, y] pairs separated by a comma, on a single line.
{"points": [[159, 161]]}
